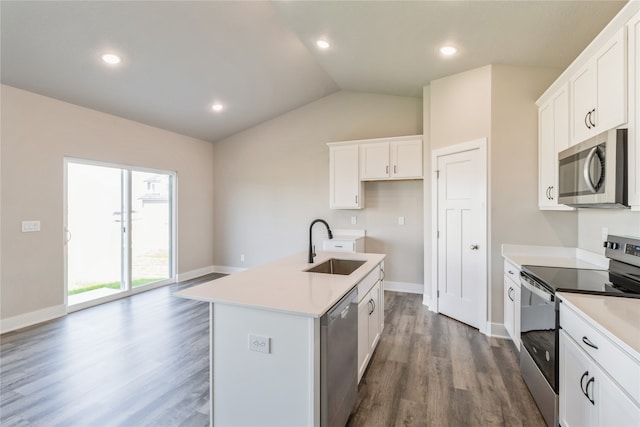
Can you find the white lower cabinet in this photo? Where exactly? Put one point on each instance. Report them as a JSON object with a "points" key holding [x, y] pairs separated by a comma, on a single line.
{"points": [[597, 379], [370, 317], [512, 302], [588, 395]]}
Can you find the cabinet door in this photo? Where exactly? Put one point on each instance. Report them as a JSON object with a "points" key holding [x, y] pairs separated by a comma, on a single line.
{"points": [[553, 137], [575, 372], [345, 187], [363, 336], [611, 83], [599, 91], [613, 406], [406, 159], [374, 317], [509, 307], [583, 103], [375, 160]]}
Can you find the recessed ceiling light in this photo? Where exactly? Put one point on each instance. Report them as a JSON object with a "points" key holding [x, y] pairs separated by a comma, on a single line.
{"points": [[217, 107], [111, 58], [323, 44], [448, 50]]}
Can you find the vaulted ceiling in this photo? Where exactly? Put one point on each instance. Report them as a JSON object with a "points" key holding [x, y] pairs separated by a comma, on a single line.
{"points": [[259, 58]]}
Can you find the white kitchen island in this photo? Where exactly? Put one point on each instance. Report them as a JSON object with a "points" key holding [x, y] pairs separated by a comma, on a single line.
{"points": [[279, 305]]}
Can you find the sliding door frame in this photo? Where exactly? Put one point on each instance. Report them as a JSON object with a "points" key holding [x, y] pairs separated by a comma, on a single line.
{"points": [[126, 255]]}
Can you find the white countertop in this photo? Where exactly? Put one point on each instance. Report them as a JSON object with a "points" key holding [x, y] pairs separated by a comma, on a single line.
{"points": [[617, 317], [284, 286], [554, 256]]}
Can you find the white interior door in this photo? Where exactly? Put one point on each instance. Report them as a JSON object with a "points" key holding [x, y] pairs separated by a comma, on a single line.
{"points": [[461, 234]]}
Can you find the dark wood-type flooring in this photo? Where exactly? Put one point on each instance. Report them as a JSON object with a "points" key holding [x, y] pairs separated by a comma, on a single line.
{"points": [[144, 361]]}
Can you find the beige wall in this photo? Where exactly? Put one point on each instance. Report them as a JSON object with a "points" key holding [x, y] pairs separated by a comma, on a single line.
{"points": [[272, 180], [616, 221], [498, 102], [37, 133], [514, 215], [461, 108]]}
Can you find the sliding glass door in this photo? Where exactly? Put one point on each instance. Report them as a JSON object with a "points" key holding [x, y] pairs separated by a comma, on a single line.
{"points": [[119, 230]]}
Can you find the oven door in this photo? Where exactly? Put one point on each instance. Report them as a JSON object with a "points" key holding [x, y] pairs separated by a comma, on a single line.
{"points": [[539, 327]]}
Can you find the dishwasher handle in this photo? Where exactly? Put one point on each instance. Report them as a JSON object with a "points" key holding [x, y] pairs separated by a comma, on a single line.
{"points": [[341, 309]]}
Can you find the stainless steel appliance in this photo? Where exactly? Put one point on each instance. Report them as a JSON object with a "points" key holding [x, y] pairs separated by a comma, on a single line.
{"points": [[594, 172], [539, 313], [339, 361]]}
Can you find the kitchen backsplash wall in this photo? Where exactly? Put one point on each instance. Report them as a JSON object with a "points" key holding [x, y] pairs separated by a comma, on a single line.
{"points": [[591, 223], [272, 180]]}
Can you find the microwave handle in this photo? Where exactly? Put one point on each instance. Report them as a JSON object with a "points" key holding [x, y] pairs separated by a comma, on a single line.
{"points": [[585, 171]]}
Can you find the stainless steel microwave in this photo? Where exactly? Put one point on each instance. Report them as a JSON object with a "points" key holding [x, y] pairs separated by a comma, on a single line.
{"points": [[593, 174]]}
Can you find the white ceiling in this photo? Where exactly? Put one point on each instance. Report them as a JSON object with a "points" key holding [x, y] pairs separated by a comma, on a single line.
{"points": [[259, 58]]}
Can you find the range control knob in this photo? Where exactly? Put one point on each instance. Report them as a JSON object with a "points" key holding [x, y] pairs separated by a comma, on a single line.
{"points": [[611, 245]]}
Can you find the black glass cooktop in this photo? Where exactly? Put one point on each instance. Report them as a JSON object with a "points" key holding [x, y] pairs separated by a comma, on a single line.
{"points": [[558, 279]]}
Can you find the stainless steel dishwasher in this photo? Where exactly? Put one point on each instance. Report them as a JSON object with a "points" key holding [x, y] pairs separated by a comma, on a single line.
{"points": [[339, 361]]}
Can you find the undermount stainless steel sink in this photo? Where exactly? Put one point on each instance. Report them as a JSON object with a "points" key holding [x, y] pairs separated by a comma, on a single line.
{"points": [[336, 266]]}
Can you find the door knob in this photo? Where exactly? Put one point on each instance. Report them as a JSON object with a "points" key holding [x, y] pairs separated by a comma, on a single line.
{"points": [[473, 247]]}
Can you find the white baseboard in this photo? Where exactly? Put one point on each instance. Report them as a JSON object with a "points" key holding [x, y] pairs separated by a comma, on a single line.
{"points": [[426, 300], [23, 320], [181, 277], [225, 269], [411, 288], [497, 330]]}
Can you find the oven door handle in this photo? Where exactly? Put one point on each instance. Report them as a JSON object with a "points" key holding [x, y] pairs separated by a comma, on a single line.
{"points": [[542, 293]]}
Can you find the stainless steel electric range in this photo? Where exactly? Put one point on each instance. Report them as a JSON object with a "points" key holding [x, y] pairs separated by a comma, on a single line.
{"points": [[539, 312]]}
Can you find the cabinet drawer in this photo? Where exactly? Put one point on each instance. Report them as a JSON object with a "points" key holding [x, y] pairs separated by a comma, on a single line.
{"points": [[368, 283], [512, 272], [611, 358], [334, 245]]}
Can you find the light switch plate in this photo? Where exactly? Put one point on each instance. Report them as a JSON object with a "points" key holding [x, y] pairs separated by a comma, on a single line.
{"points": [[401, 220]]}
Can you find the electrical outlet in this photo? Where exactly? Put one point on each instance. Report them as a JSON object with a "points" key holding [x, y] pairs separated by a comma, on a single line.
{"points": [[30, 226], [401, 220], [241, 257], [259, 343], [354, 220]]}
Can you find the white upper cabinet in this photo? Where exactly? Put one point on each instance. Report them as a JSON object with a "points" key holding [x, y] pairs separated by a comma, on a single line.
{"points": [[345, 187], [375, 160], [634, 111], [599, 90], [553, 137], [395, 158]]}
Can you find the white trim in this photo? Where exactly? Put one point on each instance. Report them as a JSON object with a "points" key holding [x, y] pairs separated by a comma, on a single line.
{"points": [[497, 330], [23, 320], [476, 144], [411, 288], [119, 295], [188, 275], [225, 269]]}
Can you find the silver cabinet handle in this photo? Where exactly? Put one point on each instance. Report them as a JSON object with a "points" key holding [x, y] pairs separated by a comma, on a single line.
{"points": [[356, 199], [509, 293], [395, 169], [473, 247], [386, 170]]}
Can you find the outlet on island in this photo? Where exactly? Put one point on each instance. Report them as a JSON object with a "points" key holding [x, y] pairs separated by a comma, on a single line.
{"points": [[259, 343]]}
